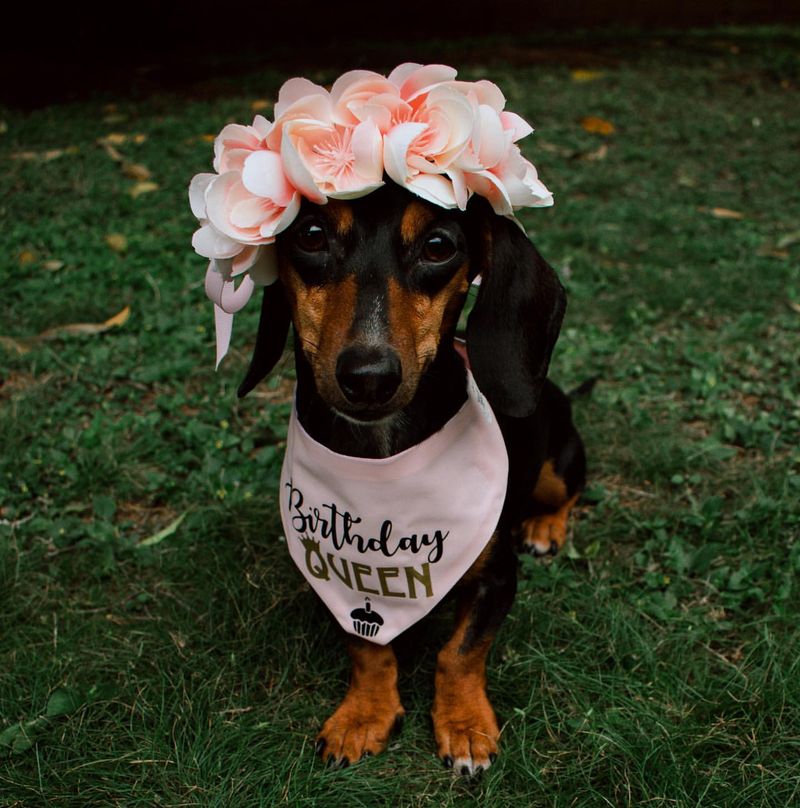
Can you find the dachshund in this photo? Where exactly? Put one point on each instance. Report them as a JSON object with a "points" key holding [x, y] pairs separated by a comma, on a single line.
{"points": [[373, 289]]}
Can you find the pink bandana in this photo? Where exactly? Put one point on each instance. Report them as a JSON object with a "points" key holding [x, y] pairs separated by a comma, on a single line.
{"points": [[383, 541]]}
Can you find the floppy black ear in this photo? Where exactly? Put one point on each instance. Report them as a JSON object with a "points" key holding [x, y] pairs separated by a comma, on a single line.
{"points": [[514, 324], [273, 326]]}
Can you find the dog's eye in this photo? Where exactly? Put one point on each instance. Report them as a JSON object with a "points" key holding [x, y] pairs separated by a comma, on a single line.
{"points": [[438, 248], [311, 238]]}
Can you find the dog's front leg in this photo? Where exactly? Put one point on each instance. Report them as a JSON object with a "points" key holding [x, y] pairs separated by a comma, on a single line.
{"points": [[371, 709], [464, 722]]}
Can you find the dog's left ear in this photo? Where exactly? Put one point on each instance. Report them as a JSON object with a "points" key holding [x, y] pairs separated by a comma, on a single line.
{"points": [[514, 325], [273, 326]]}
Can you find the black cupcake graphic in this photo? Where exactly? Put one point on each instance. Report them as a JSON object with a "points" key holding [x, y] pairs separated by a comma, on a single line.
{"points": [[366, 622]]}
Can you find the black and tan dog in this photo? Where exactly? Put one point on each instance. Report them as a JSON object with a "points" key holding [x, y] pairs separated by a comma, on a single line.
{"points": [[374, 289]]}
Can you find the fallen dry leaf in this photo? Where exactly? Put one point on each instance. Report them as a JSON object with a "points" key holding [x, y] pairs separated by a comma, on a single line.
{"points": [[120, 318], [259, 103], [136, 171], [139, 138], [26, 257], [53, 265], [19, 345], [115, 155], [586, 75], [553, 148], [726, 213], [788, 240], [794, 306], [23, 345], [208, 138], [43, 156], [771, 252], [115, 138], [597, 126], [165, 533], [117, 242], [599, 153], [142, 188], [3, 127]]}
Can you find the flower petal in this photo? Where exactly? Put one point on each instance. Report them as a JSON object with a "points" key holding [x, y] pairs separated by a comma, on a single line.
{"points": [[353, 87], [210, 243], [197, 194], [249, 212], [262, 126], [367, 146], [294, 90], [263, 176], [356, 192], [280, 222], [264, 270], [296, 171], [395, 149], [460, 190], [489, 186], [424, 78], [242, 262], [434, 188], [402, 72], [519, 126], [493, 146]]}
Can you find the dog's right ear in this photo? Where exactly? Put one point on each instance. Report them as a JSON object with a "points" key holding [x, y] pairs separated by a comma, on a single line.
{"points": [[273, 327]]}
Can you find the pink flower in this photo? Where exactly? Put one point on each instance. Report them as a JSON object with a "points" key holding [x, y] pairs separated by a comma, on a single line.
{"points": [[511, 184], [441, 138], [236, 142], [253, 205], [412, 80], [351, 91], [421, 148], [340, 162], [299, 100]]}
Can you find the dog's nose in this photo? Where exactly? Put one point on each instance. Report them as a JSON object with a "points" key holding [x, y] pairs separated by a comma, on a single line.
{"points": [[368, 375]]}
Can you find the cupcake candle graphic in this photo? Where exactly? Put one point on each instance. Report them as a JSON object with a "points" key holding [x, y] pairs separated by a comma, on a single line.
{"points": [[366, 622]]}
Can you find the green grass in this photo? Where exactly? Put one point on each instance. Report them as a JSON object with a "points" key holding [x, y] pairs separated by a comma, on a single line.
{"points": [[657, 663]]}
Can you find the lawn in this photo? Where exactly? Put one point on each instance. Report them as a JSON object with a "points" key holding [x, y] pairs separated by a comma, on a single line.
{"points": [[157, 646]]}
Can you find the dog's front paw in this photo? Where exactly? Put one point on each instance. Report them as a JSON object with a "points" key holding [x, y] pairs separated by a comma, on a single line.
{"points": [[466, 732], [360, 727]]}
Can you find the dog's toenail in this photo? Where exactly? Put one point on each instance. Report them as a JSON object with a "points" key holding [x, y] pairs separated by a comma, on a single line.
{"points": [[320, 747], [553, 547], [492, 757], [448, 762], [465, 770]]}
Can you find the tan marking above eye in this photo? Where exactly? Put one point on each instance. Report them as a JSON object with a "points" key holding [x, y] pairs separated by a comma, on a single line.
{"points": [[416, 217], [341, 215]]}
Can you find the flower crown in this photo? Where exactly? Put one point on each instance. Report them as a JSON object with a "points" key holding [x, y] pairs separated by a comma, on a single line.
{"points": [[440, 138]]}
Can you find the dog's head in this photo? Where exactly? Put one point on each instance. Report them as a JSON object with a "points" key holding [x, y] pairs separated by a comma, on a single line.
{"points": [[375, 285]]}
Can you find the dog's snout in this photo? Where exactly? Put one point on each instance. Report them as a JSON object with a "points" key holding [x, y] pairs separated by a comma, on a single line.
{"points": [[368, 375]]}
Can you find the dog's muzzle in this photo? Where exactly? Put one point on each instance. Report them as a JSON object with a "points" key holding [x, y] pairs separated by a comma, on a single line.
{"points": [[368, 376]]}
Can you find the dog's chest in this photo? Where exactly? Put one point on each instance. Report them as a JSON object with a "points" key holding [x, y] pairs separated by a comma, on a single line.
{"points": [[383, 541]]}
